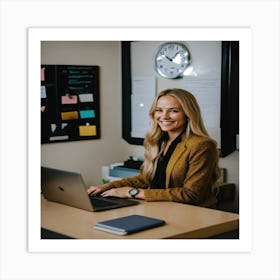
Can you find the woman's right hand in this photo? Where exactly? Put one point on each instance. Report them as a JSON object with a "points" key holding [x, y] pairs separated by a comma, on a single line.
{"points": [[94, 190]]}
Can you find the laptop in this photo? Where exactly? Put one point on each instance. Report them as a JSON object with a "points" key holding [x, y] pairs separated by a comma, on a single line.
{"points": [[68, 188]]}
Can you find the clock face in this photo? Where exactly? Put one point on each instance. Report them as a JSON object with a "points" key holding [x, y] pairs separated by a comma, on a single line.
{"points": [[171, 60]]}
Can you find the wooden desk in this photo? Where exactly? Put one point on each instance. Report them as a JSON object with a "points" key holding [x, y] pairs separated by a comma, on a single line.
{"points": [[182, 221]]}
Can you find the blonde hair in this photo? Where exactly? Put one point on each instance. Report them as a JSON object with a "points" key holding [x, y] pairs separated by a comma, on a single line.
{"points": [[155, 135]]}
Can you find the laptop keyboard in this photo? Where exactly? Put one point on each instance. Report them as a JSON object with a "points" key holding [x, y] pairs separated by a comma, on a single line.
{"points": [[102, 201]]}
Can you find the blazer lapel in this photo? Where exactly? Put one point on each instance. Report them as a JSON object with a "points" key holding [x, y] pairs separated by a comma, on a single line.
{"points": [[180, 148]]}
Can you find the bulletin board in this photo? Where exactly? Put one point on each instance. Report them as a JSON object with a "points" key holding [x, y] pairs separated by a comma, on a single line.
{"points": [[213, 78], [69, 103]]}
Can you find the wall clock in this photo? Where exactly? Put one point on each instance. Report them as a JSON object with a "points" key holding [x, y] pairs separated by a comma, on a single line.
{"points": [[171, 59]]}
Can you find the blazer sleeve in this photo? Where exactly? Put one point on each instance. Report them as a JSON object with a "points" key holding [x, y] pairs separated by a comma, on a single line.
{"points": [[136, 181], [200, 160]]}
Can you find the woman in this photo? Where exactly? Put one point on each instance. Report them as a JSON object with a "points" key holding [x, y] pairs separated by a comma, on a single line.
{"points": [[181, 160]]}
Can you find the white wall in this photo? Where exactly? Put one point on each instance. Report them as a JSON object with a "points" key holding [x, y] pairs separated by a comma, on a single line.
{"points": [[88, 156]]}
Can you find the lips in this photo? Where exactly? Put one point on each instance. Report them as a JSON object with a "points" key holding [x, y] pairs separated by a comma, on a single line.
{"points": [[166, 123]]}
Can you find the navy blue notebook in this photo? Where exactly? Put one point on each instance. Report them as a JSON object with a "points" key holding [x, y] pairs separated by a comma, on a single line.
{"points": [[128, 224]]}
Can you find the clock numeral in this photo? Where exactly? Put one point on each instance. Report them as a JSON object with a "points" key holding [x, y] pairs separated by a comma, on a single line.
{"points": [[171, 47]]}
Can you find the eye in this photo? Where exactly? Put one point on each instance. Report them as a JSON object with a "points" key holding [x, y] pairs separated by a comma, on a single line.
{"points": [[174, 110], [158, 110]]}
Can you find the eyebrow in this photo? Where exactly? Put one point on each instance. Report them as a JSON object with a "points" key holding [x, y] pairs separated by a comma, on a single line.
{"points": [[178, 108]]}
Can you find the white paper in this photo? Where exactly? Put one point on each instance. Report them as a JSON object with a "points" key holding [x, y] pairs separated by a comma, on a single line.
{"points": [[86, 97], [207, 91], [43, 92], [143, 94]]}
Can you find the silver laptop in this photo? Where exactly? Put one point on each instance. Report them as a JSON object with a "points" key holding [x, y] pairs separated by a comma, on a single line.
{"points": [[68, 188]]}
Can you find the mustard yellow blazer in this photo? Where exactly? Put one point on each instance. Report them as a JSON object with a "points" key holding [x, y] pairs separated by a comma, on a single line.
{"points": [[191, 174]]}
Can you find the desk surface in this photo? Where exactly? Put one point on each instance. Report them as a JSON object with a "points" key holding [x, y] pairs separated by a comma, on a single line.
{"points": [[182, 221]]}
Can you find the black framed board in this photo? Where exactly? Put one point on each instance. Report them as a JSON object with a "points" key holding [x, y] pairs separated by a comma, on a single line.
{"points": [[69, 103], [228, 123]]}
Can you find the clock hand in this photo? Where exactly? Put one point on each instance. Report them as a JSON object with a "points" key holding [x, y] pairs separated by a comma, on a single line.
{"points": [[170, 59], [175, 55]]}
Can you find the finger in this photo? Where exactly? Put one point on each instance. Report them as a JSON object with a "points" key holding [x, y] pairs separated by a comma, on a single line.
{"points": [[106, 193], [89, 190], [92, 190]]}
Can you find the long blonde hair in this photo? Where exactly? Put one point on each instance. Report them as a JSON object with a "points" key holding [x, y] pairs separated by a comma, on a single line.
{"points": [[155, 135]]}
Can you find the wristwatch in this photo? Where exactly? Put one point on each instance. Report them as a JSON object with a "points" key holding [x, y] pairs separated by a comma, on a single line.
{"points": [[133, 192]]}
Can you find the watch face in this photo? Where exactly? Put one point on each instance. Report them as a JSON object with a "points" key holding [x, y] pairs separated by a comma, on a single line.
{"points": [[133, 192], [171, 60]]}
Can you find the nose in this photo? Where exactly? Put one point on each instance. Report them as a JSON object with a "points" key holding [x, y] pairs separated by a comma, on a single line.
{"points": [[165, 115]]}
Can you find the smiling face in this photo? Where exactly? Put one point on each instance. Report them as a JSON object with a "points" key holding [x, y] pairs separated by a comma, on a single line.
{"points": [[170, 116]]}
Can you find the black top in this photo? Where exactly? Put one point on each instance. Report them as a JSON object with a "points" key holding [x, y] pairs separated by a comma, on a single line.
{"points": [[160, 175]]}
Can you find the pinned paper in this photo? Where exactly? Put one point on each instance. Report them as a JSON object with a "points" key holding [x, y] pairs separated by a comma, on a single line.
{"points": [[58, 128], [43, 74], [69, 99], [60, 137], [87, 130], [87, 114], [53, 127], [72, 115], [43, 92], [86, 97], [64, 125]]}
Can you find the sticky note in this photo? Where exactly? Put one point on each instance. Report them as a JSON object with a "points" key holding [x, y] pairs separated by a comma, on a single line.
{"points": [[87, 130], [87, 114], [72, 115], [61, 137], [43, 74], [43, 92], [86, 97], [69, 99], [53, 127]]}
